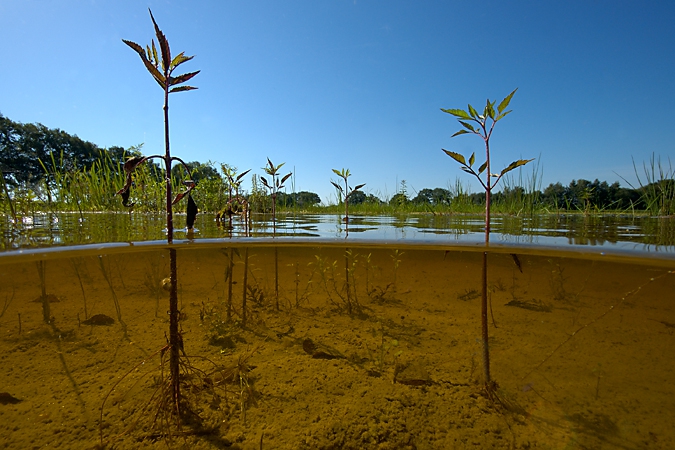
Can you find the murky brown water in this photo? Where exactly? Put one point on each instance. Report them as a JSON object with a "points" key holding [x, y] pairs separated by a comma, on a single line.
{"points": [[581, 347]]}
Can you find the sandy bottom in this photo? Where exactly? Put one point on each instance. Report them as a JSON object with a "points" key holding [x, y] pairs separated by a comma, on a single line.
{"points": [[582, 351]]}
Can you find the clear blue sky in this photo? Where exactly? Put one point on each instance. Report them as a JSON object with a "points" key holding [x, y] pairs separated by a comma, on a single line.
{"points": [[355, 83]]}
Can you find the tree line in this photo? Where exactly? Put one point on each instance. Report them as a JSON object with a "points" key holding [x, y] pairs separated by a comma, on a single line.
{"points": [[35, 156]]}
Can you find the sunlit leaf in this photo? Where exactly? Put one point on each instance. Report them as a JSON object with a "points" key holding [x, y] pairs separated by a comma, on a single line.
{"points": [[459, 132], [163, 44], [456, 156], [490, 110], [180, 59], [337, 172], [504, 103], [473, 111], [154, 54], [501, 116], [468, 126], [182, 88], [182, 78], [514, 164], [457, 113], [472, 159]]}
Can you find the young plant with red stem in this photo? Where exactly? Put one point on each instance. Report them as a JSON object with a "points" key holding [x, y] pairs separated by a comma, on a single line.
{"points": [[482, 125]]}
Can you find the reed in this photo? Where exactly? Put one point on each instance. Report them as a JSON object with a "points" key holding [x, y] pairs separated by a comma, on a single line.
{"points": [[657, 185]]}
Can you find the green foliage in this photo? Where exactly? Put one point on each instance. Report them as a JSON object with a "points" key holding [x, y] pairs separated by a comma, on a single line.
{"points": [[162, 69], [169, 84], [346, 192], [485, 125], [657, 186]]}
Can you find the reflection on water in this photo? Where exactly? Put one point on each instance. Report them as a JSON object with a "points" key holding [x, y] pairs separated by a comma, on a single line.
{"points": [[372, 346], [614, 232]]}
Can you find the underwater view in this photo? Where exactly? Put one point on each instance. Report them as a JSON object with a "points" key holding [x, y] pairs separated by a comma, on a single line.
{"points": [[322, 343]]}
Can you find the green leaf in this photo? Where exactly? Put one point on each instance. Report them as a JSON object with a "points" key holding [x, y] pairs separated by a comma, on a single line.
{"points": [[489, 111], [459, 132], [504, 103], [501, 116], [472, 159], [456, 156], [457, 113], [482, 168], [473, 111], [338, 173], [468, 126], [155, 59], [180, 59], [514, 164]]}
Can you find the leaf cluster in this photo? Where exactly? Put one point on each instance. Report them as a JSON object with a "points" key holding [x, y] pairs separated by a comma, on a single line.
{"points": [[344, 174], [276, 183], [484, 125], [162, 68], [134, 162]]}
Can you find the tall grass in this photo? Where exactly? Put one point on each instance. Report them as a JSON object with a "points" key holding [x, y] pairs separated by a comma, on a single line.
{"points": [[521, 195], [657, 186]]}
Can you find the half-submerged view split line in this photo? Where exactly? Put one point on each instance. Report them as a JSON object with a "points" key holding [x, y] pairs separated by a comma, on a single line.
{"points": [[285, 322]]}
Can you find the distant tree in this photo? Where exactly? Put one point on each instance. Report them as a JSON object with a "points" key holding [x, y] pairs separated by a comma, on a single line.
{"points": [[24, 146], [437, 196], [357, 197], [373, 200], [304, 199], [399, 199], [555, 195], [423, 197], [200, 171], [300, 199]]}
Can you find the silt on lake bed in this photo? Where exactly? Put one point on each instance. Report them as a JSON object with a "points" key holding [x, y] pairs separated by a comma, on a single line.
{"points": [[374, 345]]}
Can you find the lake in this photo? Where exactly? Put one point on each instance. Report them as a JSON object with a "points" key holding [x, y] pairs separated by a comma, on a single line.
{"points": [[326, 337]]}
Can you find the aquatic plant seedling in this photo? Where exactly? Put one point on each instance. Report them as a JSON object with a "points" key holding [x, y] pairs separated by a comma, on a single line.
{"points": [[274, 185], [484, 125], [236, 204], [345, 192], [161, 66]]}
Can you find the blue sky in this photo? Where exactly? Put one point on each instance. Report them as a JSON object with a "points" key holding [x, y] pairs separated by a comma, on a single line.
{"points": [[356, 84]]}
